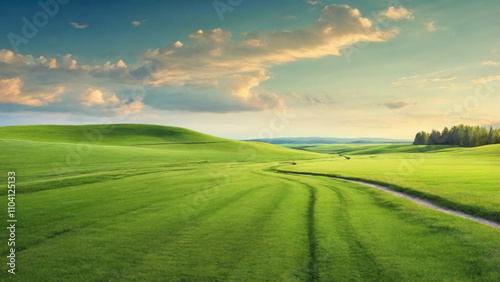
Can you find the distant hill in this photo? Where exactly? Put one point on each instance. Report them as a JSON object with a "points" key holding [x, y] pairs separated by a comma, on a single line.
{"points": [[171, 144], [106, 134], [328, 140]]}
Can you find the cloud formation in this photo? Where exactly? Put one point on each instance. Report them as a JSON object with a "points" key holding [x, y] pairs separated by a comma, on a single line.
{"points": [[397, 13], [423, 80], [313, 2], [310, 99], [430, 26], [491, 63], [98, 99], [485, 79], [10, 92], [398, 104], [59, 84], [77, 25], [212, 60], [209, 72]]}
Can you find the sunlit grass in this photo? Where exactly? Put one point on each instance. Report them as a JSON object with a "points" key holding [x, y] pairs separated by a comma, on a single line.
{"points": [[216, 211]]}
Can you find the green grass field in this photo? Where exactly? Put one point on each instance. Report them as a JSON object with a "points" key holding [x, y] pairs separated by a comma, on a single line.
{"points": [[144, 203], [467, 179]]}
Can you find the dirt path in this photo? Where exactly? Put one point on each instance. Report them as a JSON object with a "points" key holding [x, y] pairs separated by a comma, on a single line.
{"points": [[428, 204], [417, 200]]}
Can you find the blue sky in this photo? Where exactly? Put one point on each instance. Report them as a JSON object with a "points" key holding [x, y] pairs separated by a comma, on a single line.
{"points": [[244, 69]]}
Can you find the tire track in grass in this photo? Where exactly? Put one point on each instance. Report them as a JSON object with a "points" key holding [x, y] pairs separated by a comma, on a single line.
{"points": [[261, 217], [73, 181], [361, 256], [366, 261], [265, 216], [113, 218], [312, 265], [313, 269], [89, 230], [415, 199]]}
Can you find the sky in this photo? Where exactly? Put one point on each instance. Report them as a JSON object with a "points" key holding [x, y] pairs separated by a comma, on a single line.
{"points": [[253, 69]]}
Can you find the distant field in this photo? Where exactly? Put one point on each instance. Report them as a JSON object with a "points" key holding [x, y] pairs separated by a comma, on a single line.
{"points": [[465, 178], [175, 205], [363, 149]]}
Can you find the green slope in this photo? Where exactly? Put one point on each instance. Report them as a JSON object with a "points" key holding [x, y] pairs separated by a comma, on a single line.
{"points": [[67, 157], [106, 134]]}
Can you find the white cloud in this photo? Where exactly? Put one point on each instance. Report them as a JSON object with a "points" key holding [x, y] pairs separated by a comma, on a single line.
{"points": [[89, 67], [178, 44], [68, 62], [430, 26], [397, 13], [93, 96], [426, 80], [121, 64], [27, 61], [485, 79], [136, 23], [213, 60], [7, 56], [109, 66], [77, 25], [209, 63], [130, 108], [52, 64], [11, 92], [313, 2], [441, 79], [103, 101], [52, 84], [10, 88], [491, 63]]}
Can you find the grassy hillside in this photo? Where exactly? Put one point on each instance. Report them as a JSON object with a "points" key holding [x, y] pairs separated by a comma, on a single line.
{"points": [[56, 163], [106, 134], [130, 207]]}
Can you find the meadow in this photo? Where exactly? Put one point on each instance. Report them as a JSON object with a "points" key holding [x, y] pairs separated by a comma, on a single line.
{"points": [[144, 202], [461, 178]]}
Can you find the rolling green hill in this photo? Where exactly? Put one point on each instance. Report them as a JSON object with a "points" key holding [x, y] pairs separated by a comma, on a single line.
{"points": [[115, 134], [52, 156]]}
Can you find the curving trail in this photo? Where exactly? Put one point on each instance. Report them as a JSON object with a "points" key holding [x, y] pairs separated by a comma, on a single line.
{"points": [[414, 199], [428, 204]]}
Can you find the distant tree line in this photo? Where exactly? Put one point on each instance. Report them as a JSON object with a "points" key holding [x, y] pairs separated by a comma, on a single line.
{"points": [[460, 135]]}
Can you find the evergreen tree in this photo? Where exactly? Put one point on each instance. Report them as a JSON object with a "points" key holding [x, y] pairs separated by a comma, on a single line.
{"points": [[445, 136], [418, 139], [425, 137], [434, 138]]}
